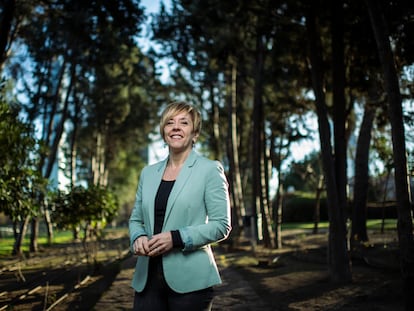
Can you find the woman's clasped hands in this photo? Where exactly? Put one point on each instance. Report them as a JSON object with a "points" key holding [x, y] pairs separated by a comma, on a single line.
{"points": [[159, 244]]}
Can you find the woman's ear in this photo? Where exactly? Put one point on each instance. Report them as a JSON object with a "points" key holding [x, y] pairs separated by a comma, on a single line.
{"points": [[195, 138]]}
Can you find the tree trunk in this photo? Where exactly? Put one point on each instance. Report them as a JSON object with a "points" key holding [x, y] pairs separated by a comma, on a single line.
{"points": [[404, 209], [339, 106], [260, 202], [384, 199], [54, 147], [73, 141], [277, 212], [268, 233], [34, 235], [359, 213], [237, 193], [338, 260], [99, 172], [256, 144], [53, 140], [215, 117], [317, 212], [50, 112], [6, 22], [58, 130], [49, 224], [18, 242]]}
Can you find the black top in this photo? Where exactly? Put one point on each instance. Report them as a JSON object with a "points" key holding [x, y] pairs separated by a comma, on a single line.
{"points": [[161, 200]]}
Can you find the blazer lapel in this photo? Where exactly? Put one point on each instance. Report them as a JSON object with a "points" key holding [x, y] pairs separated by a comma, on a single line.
{"points": [[180, 182]]}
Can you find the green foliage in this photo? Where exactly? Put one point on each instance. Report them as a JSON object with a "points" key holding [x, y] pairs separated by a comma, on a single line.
{"points": [[123, 178], [301, 208], [20, 183], [83, 75], [304, 175], [83, 207]]}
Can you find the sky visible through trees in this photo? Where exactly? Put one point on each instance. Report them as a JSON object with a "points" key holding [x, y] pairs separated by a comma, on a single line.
{"points": [[157, 151]]}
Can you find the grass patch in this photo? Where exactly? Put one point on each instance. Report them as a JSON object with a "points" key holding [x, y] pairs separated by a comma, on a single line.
{"points": [[59, 237], [304, 225], [375, 224], [6, 244], [372, 224]]}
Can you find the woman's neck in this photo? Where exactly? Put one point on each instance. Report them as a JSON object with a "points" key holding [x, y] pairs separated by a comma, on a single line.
{"points": [[176, 160]]}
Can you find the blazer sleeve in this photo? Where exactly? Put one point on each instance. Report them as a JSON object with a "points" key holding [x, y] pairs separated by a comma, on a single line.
{"points": [[217, 204], [136, 221]]}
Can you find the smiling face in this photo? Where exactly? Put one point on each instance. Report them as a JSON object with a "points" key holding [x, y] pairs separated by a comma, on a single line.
{"points": [[180, 126], [179, 132]]}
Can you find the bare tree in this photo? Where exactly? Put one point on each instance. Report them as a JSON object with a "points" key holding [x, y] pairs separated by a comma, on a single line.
{"points": [[405, 213], [338, 259]]}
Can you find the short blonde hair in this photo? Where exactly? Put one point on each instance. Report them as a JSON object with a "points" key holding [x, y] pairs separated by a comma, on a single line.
{"points": [[175, 108]]}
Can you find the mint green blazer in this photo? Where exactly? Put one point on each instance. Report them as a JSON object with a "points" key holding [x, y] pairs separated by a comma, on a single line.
{"points": [[198, 207]]}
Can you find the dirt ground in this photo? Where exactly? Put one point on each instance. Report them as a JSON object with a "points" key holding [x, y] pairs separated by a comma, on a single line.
{"points": [[296, 277], [292, 278]]}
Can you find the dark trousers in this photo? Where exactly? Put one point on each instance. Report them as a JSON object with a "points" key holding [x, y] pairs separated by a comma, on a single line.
{"points": [[157, 296]]}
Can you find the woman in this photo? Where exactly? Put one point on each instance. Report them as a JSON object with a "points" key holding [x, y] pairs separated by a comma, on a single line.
{"points": [[182, 205]]}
